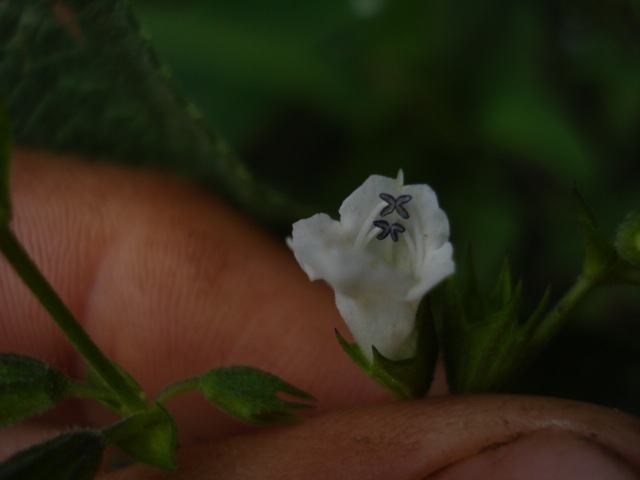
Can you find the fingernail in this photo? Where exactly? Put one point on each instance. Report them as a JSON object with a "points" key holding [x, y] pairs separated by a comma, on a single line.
{"points": [[548, 455]]}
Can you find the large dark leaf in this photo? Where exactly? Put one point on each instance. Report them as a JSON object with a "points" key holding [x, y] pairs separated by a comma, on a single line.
{"points": [[71, 456], [79, 77]]}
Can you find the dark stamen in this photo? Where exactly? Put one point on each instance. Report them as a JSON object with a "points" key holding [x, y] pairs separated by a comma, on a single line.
{"points": [[395, 204]]}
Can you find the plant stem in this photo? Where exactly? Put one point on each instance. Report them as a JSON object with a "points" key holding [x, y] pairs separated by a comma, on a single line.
{"points": [[85, 390], [556, 318], [186, 385], [49, 299]]}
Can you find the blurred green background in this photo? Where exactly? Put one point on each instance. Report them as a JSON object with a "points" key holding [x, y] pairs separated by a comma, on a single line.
{"points": [[500, 106]]}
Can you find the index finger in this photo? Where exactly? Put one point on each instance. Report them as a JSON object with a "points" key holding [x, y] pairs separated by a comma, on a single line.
{"points": [[169, 282]]}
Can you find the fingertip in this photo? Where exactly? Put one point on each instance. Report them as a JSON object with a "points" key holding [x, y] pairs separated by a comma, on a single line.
{"points": [[546, 454], [451, 437], [170, 282]]}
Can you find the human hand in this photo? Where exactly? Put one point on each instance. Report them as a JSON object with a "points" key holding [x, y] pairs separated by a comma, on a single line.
{"points": [[170, 283]]}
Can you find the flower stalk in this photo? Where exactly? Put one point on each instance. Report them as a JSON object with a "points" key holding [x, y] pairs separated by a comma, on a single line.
{"points": [[26, 269]]}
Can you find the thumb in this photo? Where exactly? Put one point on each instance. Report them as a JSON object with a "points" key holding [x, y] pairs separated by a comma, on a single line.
{"points": [[456, 437]]}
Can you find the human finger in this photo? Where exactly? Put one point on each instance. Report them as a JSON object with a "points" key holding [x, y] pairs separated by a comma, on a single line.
{"points": [[489, 437], [169, 282]]}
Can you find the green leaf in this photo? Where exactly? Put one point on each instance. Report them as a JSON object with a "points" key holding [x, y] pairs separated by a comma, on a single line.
{"points": [[27, 387], [503, 289], [538, 313], [5, 163], [600, 254], [71, 456], [153, 439], [251, 395], [80, 77]]}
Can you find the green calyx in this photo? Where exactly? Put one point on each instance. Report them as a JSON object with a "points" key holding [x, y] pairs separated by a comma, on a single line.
{"points": [[485, 342]]}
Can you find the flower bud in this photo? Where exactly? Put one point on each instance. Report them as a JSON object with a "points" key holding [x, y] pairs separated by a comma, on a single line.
{"points": [[628, 239]]}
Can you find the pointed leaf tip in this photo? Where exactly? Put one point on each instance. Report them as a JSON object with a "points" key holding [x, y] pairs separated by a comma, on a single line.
{"points": [[584, 212], [503, 289], [354, 352], [600, 252], [540, 310]]}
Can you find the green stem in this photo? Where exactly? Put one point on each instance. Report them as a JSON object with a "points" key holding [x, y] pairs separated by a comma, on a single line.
{"points": [[556, 318], [49, 299], [186, 385], [85, 390]]}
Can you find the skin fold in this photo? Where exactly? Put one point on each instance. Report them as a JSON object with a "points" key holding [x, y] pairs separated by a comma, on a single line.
{"points": [[170, 282]]}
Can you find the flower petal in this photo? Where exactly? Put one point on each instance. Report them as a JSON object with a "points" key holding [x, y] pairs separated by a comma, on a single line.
{"points": [[357, 209], [349, 270], [427, 215], [383, 322], [438, 265]]}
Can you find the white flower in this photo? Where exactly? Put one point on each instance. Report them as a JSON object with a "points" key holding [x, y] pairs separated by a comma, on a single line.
{"points": [[389, 248]]}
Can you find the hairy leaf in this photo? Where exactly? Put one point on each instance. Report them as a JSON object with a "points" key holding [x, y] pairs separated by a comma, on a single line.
{"points": [[71, 456], [27, 387], [251, 395], [80, 77]]}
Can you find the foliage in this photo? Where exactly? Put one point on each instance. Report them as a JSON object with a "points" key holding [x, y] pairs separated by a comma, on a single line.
{"points": [[79, 77]]}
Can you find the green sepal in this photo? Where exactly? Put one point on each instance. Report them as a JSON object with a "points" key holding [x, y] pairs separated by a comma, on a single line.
{"points": [[5, 163], [485, 343], [406, 378], [153, 438], [538, 313], [251, 395], [110, 399], [503, 290], [70, 456], [354, 352], [600, 255], [28, 387]]}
